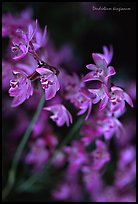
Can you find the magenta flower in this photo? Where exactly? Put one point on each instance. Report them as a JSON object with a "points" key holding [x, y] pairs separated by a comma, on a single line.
{"points": [[109, 126], [70, 85], [49, 82], [62, 192], [100, 71], [60, 114], [92, 180], [107, 54], [38, 154], [106, 194], [90, 131], [50, 140], [21, 87], [117, 100], [82, 100], [101, 95], [100, 156], [20, 48], [77, 156], [67, 190], [21, 42], [126, 167]]}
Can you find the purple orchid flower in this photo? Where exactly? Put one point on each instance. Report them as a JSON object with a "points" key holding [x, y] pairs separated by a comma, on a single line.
{"points": [[70, 85], [100, 94], [77, 156], [67, 190], [90, 131], [100, 71], [49, 82], [21, 88], [83, 101], [126, 167], [62, 192], [100, 156], [74, 90], [92, 179], [117, 100], [61, 114], [109, 126], [38, 154], [21, 42]]}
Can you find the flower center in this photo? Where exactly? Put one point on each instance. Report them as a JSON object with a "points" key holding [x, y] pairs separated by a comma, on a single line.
{"points": [[98, 72], [14, 83], [45, 82], [115, 99], [15, 48]]}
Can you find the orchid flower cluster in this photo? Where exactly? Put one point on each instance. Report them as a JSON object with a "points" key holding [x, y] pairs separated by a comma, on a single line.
{"points": [[33, 67]]}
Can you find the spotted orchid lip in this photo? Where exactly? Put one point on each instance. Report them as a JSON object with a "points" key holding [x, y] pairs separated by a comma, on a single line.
{"points": [[14, 83]]}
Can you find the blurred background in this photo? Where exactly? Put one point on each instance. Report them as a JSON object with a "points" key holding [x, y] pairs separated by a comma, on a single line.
{"points": [[85, 31]]}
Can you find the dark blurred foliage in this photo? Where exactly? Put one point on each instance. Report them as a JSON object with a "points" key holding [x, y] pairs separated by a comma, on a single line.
{"points": [[70, 23]]}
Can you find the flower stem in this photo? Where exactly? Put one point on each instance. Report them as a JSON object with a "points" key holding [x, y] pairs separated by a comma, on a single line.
{"points": [[36, 177], [12, 172]]}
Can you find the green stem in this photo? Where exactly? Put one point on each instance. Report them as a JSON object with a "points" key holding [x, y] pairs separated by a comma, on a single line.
{"points": [[72, 132], [12, 173], [27, 184]]}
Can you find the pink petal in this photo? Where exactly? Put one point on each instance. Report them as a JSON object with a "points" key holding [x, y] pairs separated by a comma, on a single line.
{"points": [[13, 91], [44, 35], [115, 88], [18, 100], [99, 61], [81, 111], [36, 46], [49, 108], [70, 116], [106, 90], [111, 71], [103, 103], [29, 89], [31, 31], [128, 99], [120, 129], [91, 67], [43, 71], [19, 56], [108, 53], [19, 71], [89, 110], [50, 92], [108, 134], [57, 84]]}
